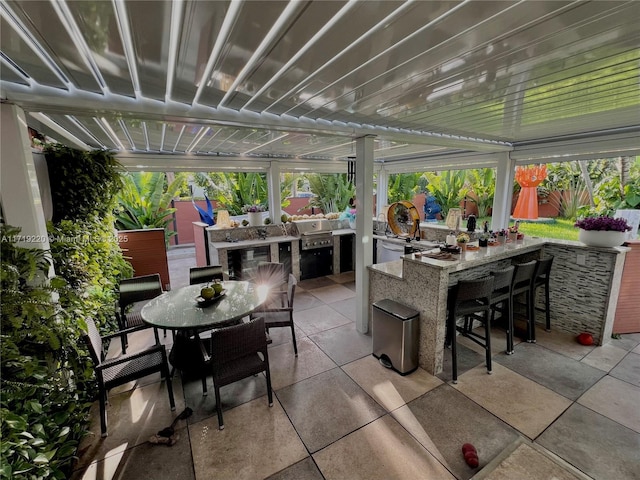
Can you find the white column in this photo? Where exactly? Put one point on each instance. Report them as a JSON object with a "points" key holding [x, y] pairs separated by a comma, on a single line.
{"points": [[382, 195], [275, 201], [505, 173], [21, 203], [364, 228]]}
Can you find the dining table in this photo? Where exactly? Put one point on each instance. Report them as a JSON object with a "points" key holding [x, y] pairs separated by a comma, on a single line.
{"points": [[183, 311]]}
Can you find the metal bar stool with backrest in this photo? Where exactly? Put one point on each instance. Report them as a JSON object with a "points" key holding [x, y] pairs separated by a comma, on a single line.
{"points": [[469, 298], [234, 356], [541, 279], [523, 277], [131, 291], [123, 369], [205, 274]]}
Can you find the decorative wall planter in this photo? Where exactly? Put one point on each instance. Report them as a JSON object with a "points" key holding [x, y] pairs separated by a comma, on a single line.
{"points": [[601, 238], [255, 219]]}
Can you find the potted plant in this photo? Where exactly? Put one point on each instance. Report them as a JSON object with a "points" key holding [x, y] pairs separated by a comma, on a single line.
{"points": [[602, 231], [483, 241], [513, 233], [501, 236], [463, 239], [254, 214]]}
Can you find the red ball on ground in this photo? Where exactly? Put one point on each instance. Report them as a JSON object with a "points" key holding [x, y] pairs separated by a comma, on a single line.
{"points": [[585, 339], [472, 459], [468, 447]]}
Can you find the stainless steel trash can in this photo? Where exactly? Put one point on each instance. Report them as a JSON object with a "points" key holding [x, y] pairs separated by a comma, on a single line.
{"points": [[395, 331]]}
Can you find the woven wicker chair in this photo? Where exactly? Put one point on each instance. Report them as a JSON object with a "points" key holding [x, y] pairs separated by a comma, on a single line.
{"points": [[282, 316], [234, 356], [502, 300], [205, 274], [541, 277], [118, 371], [131, 291], [469, 298]]}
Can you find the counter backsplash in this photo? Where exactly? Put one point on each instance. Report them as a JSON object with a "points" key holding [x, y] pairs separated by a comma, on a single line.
{"points": [[253, 233]]}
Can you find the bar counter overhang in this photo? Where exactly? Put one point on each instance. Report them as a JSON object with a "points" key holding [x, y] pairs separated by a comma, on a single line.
{"points": [[583, 297]]}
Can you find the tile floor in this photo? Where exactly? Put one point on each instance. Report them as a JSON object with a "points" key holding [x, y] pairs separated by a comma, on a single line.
{"points": [[555, 409]]}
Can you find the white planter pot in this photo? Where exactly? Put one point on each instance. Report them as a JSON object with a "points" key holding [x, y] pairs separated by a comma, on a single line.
{"points": [[601, 238], [255, 219]]}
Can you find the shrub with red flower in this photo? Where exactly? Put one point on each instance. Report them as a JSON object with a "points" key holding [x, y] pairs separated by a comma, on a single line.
{"points": [[604, 224]]}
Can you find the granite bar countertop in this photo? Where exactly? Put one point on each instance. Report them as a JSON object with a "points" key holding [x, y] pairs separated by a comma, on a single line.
{"points": [[255, 242]]}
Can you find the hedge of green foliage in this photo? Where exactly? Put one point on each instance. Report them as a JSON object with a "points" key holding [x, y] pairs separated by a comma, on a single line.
{"points": [[48, 382], [45, 397]]}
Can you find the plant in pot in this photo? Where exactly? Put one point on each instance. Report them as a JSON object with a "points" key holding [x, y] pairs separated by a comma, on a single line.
{"points": [[602, 231], [463, 239], [254, 213], [501, 236], [483, 241]]}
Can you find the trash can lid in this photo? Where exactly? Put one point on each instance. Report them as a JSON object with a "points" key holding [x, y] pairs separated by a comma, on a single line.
{"points": [[396, 309]]}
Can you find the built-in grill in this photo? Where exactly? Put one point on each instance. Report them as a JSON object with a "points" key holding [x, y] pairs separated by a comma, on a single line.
{"points": [[316, 248], [314, 233]]}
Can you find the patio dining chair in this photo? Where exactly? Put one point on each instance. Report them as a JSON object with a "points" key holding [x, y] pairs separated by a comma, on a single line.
{"points": [[238, 352], [130, 292], [273, 275], [125, 368], [280, 313]]}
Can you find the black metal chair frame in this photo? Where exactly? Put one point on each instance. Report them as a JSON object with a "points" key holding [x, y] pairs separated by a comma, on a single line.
{"points": [[469, 298], [134, 290], [205, 274], [541, 277], [234, 356], [502, 301], [125, 368]]}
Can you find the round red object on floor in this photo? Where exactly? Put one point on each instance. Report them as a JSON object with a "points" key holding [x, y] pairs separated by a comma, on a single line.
{"points": [[585, 339]]}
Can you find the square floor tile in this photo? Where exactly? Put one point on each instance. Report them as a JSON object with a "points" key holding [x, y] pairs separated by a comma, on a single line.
{"points": [[327, 407], [444, 419], [282, 335], [304, 300], [333, 293], [527, 462], [318, 319], [628, 369], [146, 460], [231, 395], [467, 359], [381, 449], [562, 342], [561, 374], [286, 368], [132, 417], [303, 470], [605, 357], [615, 399], [257, 441], [626, 341], [344, 277], [387, 387], [522, 403], [350, 285], [313, 283], [346, 307], [343, 344], [598, 446]]}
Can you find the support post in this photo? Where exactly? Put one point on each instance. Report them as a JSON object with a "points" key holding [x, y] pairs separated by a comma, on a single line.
{"points": [[505, 172], [364, 228], [275, 200], [382, 191]]}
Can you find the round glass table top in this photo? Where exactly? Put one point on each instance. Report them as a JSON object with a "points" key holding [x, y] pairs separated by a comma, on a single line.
{"points": [[178, 309]]}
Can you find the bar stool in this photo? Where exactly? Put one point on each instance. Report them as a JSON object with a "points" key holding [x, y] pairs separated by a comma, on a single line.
{"points": [[469, 298], [523, 281], [541, 279], [502, 301]]}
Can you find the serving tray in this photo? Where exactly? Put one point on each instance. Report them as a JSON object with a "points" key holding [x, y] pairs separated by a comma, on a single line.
{"points": [[203, 302]]}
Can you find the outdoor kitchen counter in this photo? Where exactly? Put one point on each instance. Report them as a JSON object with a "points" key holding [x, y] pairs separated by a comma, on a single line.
{"points": [[585, 282]]}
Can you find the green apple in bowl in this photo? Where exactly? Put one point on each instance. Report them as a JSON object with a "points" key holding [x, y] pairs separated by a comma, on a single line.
{"points": [[217, 287], [208, 292]]}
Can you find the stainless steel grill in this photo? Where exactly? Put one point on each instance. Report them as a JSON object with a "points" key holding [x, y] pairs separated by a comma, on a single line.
{"points": [[314, 233]]}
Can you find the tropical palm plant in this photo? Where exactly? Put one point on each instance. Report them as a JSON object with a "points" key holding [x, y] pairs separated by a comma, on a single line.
{"points": [[145, 199], [333, 191], [448, 188], [482, 183], [403, 186]]}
